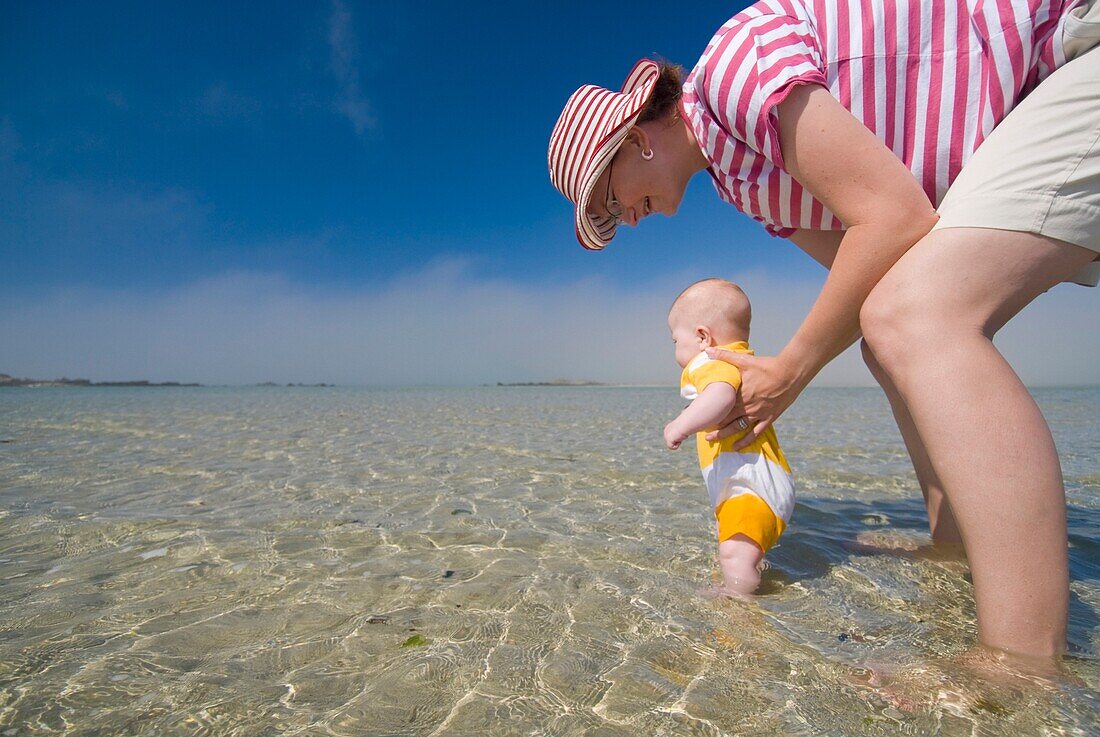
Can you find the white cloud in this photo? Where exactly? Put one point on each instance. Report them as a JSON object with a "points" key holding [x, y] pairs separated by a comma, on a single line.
{"points": [[443, 326], [344, 62]]}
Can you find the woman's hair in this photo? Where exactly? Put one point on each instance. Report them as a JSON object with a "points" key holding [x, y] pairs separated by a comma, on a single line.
{"points": [[665, 97]]}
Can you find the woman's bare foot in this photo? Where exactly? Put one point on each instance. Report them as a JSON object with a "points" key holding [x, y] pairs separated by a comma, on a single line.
{"points": [[1009, 670]]}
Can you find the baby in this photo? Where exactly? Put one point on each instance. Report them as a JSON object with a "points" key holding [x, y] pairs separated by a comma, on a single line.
{"points": [[751, 489]]}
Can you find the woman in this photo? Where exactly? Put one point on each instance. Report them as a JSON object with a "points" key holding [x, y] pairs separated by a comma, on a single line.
{"points": [[843, 127]]}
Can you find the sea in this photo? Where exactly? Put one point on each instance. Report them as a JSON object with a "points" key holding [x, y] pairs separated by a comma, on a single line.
{"points": [[490, 561]]}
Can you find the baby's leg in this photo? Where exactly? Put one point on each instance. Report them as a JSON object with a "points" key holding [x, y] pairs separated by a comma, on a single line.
{"points": [[739, 557]]}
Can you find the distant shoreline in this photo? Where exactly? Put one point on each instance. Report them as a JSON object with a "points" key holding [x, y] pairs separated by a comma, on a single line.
{"points": [[17, 382], [13, 381]]}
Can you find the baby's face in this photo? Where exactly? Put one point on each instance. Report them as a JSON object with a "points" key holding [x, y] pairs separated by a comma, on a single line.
{"points": [[685, 337]]}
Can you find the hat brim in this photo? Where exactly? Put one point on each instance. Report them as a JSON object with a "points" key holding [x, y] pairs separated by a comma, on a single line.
{"points": [[595, 232]]}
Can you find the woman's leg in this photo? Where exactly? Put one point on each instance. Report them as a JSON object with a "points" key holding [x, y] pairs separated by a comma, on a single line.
{"points": [[941, 521], [929, 324]]}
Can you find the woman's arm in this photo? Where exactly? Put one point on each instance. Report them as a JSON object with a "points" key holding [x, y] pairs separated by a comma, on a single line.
{"points": [[841, 163], [885, 211]]}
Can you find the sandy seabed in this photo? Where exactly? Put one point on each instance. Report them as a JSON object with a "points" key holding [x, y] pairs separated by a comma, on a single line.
{"points": [[486, 561]]}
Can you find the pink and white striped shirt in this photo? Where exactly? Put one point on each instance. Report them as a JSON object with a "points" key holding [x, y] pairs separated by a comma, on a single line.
{"points": [[930, 78]]}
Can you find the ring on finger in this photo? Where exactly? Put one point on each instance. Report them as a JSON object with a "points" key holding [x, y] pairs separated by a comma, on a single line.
{"points": [[743, 423]]}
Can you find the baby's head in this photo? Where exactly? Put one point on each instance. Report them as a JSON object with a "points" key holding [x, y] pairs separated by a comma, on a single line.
{"points": [[709, 312]]}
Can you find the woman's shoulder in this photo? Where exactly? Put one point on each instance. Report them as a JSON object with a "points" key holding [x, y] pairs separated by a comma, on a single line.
{"points": [[750, 61], [765, 30], [766, 16]]}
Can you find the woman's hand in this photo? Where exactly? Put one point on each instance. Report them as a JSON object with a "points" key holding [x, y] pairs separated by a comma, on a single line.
{"points": [[768, 388]]}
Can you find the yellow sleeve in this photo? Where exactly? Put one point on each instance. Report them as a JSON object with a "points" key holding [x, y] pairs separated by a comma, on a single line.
{"points": [[704, 371]]}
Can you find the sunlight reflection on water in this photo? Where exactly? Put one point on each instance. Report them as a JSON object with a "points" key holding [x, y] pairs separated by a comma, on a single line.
{"points": [[484, 561]]}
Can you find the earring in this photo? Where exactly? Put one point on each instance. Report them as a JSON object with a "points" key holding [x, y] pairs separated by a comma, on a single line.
{"points": [[647, 154]]}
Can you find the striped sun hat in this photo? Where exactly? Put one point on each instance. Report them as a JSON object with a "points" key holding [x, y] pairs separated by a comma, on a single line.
{"points": [[589, 132]]}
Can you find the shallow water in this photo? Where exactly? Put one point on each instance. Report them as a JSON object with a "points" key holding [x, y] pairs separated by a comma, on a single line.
{"points": [[485, 561]]}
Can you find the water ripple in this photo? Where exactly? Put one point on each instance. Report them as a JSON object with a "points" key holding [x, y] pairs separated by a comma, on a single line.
{"points": [[487, 561]]}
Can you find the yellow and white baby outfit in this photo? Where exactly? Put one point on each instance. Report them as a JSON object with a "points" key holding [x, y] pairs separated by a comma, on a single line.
{"points": [[751, 490]]}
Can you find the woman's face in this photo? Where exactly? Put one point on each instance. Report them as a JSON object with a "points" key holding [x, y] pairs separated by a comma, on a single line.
{"points": [[640, 187]]}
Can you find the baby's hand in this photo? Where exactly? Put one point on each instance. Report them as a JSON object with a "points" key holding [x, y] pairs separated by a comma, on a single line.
{"points": [[673, 437]]}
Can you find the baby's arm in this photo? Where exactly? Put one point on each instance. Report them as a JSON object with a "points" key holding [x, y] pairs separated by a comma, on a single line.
{"points": [[706, 412]]}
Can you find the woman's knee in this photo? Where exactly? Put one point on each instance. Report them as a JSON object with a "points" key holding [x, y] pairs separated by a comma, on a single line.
{"points": [[894, 319]]}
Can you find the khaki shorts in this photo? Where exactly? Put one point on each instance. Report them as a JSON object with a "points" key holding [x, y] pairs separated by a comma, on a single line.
{"points": [[1039, 170]]}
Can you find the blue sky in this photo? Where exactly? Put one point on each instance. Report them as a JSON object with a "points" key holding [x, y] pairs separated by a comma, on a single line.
{"points": [[301, 191]]}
